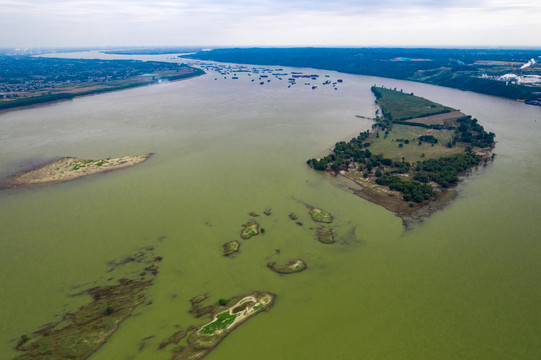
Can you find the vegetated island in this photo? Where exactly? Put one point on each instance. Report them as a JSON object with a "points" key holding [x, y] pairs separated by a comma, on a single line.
{"points": [[26, 80], [324, 233], [249, 229], [81, 333], [70, 168], [413, 156], [293, 266], [227, 315], [231, 247]]}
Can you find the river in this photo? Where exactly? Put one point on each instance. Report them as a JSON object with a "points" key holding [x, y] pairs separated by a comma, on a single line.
{"points": [[464, 284]]}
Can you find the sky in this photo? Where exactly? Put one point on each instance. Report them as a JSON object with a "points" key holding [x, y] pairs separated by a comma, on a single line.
{"points": [[225, 23]]}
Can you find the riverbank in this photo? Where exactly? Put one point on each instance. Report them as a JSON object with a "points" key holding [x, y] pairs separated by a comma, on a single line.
{"points": [[51, 95], [69, 168], [393, 201]]}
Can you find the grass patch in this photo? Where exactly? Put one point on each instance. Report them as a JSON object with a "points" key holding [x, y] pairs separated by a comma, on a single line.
{"points": [[396, 105], [412, 152], [320, 215], [223, 320]]}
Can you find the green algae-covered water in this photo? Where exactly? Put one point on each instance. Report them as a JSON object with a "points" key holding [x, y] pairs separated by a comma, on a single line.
{"points": [[465, 284]]}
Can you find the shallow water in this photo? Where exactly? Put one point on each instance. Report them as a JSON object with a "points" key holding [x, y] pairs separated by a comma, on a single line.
{"points": [[465, 284]]}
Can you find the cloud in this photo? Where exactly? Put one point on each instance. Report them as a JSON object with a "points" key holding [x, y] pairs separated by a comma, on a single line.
{"points": [[268, 22]]}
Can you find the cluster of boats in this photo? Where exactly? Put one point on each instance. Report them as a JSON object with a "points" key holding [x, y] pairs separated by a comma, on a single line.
{"points": [[264, 75]]}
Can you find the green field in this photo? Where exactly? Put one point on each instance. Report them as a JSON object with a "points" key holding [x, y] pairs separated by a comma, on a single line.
{"points": [[412, 152], [396, 105]]}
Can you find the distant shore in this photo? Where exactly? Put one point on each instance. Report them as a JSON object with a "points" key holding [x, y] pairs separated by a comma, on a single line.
{"points": [[39, 100]]}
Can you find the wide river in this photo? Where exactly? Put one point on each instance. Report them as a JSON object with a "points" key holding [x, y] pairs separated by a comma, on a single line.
{"points": [[464, 284]]}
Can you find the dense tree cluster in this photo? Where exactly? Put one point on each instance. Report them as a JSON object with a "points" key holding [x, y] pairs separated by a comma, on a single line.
{"points": [[411, 190], [344, 154], [445, 171], [428, 139], [470, 132]]}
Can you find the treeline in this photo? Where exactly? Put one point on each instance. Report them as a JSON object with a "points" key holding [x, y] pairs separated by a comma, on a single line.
{"points": [[471, 132], [411, 190], [445, 171], [385, 62]]}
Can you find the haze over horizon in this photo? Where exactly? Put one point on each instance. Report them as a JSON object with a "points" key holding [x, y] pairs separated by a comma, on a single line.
{"points": [[423, 23]]}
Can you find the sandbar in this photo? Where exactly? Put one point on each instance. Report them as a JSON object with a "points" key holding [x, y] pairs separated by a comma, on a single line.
{"points": [[69, 168]]}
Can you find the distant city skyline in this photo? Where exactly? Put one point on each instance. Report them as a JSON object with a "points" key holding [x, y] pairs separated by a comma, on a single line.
{"points": [[213, 23]]}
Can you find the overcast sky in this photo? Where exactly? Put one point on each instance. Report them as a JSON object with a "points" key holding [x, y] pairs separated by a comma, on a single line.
{"points": [[55, 23]]}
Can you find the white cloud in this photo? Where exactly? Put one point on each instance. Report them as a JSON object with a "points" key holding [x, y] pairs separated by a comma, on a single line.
{"points": [[269, 22]]}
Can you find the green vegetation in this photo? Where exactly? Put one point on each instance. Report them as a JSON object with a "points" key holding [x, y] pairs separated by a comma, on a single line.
{"points": [[409, 158], [223, 320], [293, 266], [320, 215], [411, 151], [397, 105], [325, 235], [206, 337], [249, 229], [82, 332], [428, 139]]}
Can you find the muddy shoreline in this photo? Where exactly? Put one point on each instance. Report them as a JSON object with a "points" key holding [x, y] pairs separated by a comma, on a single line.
{"points": [[415, 215]]}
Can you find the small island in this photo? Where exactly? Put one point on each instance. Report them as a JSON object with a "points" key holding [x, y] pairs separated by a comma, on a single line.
{"points": [[293, 266], [225, 319], [414, 155], [249, 229], [69, 168], [320, 215], [231, 248], [325, 235]]}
